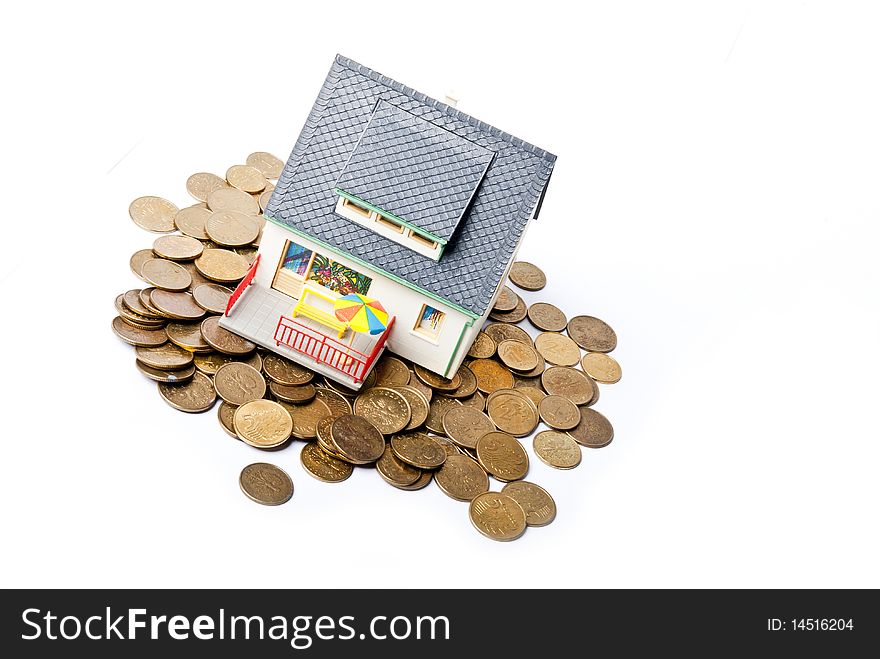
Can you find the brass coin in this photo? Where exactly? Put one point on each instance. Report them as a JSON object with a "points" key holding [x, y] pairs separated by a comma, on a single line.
{"points": [[267, 164], [335, 402], [516, 315], [210, 363], [153, 214], [575, 385], [357, 439], [323, 466], [262, 423], [533, 374], [512, 411], [226, 415], [557, 449], [447, 445], [161, 375], [601, 367], [385, 408], [238, 383], [232, 199], [491, 375], [222, 340], [245, 178], [506, 301], [594, 430], [232, 229], [461, 478], [537, 503], [435, 381], [307, 416], [415, 383], [166, 275], [423, 481], [468, 385], [137, 336], [478, 401], [137, 260], [534, 394], [418, 449], [166, 357], [190, 221], [132, 318], [517, 355], [177, 305], [296, 394], [557, 349], [211, 297], [266, 484], [527, 276], [195, 396], [286, 372], [497, 516], [502, 456], [559, 412], [177, 248], [132, 300], [464, 425], [592, 334], [248, 253], [547, 317], [499, 332], [390, 370], [201, 184], [418, 404], [221, 265], [483, 346], [438, 408], [144, 297], [198, 278], [264, 198], [394, 470]]}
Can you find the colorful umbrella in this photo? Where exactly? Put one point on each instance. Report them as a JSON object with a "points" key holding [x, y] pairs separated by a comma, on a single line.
{"points": [[362, 314]]}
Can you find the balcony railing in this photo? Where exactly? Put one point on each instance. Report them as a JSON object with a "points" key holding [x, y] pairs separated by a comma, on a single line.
{"points": [[247, 281]]}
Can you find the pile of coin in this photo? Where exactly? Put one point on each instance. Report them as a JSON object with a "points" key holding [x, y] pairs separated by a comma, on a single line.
{"points": [[411, 425]]}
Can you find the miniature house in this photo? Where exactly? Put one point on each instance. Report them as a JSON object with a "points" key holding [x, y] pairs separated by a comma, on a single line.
{"points": [[402, 199]]}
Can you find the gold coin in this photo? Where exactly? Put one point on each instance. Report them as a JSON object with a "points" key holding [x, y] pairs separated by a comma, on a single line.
{"points": [[176, 305], [418, 404], [464, 425], [197, 278], [221, 265], [435, 381], [385, 408], [478, 400], [517, 355], [438, 408], [506, 301], [132, 300], [190, 221], [307, 416], [533, 393], [418, 449], [537, 503], [166, 357], [491, 375], [335, 402], [264, 198], [232, 229], [592, 334], [390, 370], [601, 367], [166, 275], [195, 396], [415, 383], [296, 394], [238, 383], [527, 276], [468, 385], [559, 412], [144, 298], [512, 411], [201, 184], [286, 372], [212, 297], [497, 516], [262, 423], [356, 438], [502, 456], [483, 346], [153, 214], [222, 340], [137, 260], [516, 315], [446, 444], [423, 481], [232, 199], [394, 470], [594, 430], [557, 449], [136, 319], [161, 375], [138, 336], [575, 385], [461, 478], [323, 466], [533, 374], [226, 415], [557, 349], [547, 317], [267, 164], [210, 363], [248, 253], [266, 484], [499, 332], [177, 248], [246, 178]]}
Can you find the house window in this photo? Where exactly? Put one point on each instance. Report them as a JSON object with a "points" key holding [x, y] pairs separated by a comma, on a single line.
{"points": [[296, 259], [338, 278], [348, 204], [422, 240], [429, 323], [389, 223]]}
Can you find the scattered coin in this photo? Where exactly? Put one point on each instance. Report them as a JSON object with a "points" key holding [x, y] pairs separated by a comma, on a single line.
{"points": [[232, 199], [527, 276], [483, 347], [468, 386], [559, 412], [357, 439], [335, 402], [594, 430], [592, 334], [391, 370], [136, 319], [517, 355], [497, 516], [176, 304], [394, 470], [324, 466], [502, 456], [423, 481], [222, 340], [491, 375], [195, 396], [512, 411], [557, 449], [499, 332], [202, 184], [461, 478], [435, 381], [211, 297], [601, 367], [438, 408], [131, 299], [210, 363], [557, 349], [190, 221], [296, 394], [547, 317], [138, 336], [137, 260], [418, 404], [267, 164], [153, 214], [246, 178], [266, 484], [307, 416], [447, 445], [478, 401], [165, 274], [533, 393], [160, 375], [507, 300], [264, 198], [231, 228], [578, 387], [238, 383], [226, 415], [166, 357], [464, 425], [537, 503], [177, 248], [385, 408], [220, 265], [262, 423], [283, 371], [516, 315], [418, 449]]}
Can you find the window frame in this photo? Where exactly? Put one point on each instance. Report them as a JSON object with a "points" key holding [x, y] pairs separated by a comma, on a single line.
{"points": [[427, 334]]}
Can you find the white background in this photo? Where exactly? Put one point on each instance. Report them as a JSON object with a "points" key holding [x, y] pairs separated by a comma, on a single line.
{"points": [[715, 200]]}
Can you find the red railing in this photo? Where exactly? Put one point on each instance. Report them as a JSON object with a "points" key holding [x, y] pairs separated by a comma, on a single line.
{"points": [[328, 350], [247, 281]]}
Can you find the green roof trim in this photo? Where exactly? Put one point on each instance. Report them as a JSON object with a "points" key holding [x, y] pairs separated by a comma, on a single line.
{"points": [[392, 216]]}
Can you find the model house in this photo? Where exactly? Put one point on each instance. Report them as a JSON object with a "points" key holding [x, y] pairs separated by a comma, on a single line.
{"points": [[400, 203]]}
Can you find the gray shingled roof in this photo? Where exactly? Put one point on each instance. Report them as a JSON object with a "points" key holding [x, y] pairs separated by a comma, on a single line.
{"points": [[474, 261], [419, 172]]}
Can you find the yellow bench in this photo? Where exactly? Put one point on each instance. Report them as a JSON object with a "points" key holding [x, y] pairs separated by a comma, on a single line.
{"points": [[327, 319]]}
